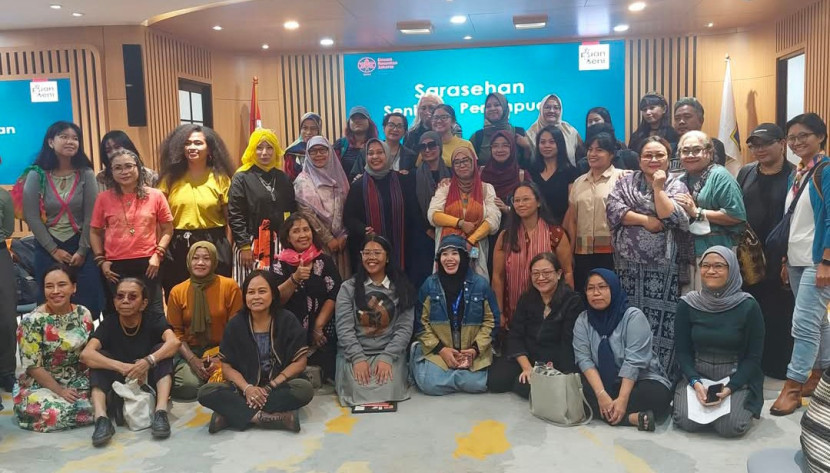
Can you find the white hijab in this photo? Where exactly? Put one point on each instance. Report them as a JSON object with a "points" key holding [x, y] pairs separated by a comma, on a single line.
{"points": [[571, 135]]}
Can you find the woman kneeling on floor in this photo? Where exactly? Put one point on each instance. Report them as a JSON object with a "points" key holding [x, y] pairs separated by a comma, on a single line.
{"points": [[622, 379], [719, 333], [135, 345], [263, 353], [374, 317], [457, 316]]}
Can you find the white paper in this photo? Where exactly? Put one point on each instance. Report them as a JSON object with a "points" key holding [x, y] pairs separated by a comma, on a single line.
{"points": [[705, 414]]}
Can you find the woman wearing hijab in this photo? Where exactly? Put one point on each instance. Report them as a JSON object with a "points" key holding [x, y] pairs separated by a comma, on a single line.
{"points": [[352, 147], [503, 169], [466, 207], [260, 195], [622, 379], [654, 121], [719, 333], [321, 190], [421, 233], [375, 205], [310, 125], [457, 317], [198, 311], [444, 123], [550, 113], [496, 118]]}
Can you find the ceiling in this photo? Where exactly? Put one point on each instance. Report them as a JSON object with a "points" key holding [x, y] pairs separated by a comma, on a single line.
{"points": [[363, 25]]}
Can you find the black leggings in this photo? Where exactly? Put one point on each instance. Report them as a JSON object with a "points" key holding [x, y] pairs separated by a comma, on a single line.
{"points": [[135, 268], [646, 395], [504, 376], [226, 400], [103, 378]]}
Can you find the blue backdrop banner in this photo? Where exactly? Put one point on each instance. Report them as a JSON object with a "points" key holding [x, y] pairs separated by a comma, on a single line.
{"points": [[582, 75], [28, 108]]}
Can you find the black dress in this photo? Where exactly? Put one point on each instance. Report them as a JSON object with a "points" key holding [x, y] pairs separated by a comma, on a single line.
{"points": [[555, 190]]}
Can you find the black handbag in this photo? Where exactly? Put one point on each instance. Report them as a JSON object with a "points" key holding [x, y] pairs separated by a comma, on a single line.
{"points": [[778, 238]]}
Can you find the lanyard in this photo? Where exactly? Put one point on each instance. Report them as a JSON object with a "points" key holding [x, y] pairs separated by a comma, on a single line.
{"points": [[455, 321]]}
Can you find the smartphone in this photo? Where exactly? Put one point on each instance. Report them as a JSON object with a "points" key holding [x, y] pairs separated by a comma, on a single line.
{"points": [[712, 392], [465, 361]]}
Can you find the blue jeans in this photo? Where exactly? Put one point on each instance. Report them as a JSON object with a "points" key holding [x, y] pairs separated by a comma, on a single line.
{"points": [[435, 381], [811, 330], [90, 293]]}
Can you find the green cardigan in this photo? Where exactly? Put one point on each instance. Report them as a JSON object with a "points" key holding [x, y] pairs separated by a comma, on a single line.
{"points": [[738, 331]]}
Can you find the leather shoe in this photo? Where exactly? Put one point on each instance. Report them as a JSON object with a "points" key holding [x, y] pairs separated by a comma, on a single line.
{"points": [[280, 421], [160, 425], [788, 400], [217, 422], [103, 431], [812, 383]]}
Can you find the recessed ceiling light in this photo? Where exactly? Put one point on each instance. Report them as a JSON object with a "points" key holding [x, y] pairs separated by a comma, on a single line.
{"points": [[217, 28], [326, 42], [529, 22], [458, 19], [291, 25], [468, 37], [77, 14], [621, 28], [637, 6], [265, 46], [710, 24], [55, 6], [415, 27]]}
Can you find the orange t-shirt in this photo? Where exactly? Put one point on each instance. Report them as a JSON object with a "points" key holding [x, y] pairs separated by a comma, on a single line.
{"points": [[224, 299]]}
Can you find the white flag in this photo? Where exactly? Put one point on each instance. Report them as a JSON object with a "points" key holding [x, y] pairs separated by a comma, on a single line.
{"points": [[728, 129]]}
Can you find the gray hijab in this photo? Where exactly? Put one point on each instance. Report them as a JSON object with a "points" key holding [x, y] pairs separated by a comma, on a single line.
{"points": [[726, 298], [386, 168]]}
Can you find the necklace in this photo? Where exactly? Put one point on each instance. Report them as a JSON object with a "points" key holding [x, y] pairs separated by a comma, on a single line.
{"points": [[63, 181], [124, 207], [124, 329]]}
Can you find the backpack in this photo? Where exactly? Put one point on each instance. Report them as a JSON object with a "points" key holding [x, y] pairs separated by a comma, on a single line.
{"points": [[17, 191]]}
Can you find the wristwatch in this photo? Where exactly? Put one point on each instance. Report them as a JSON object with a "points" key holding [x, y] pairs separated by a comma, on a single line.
{"points": [[825, 262]]}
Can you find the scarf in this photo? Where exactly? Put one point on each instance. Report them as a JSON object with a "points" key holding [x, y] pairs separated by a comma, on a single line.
{"points": [[292, 257], [503, 176], [249, 157], [473, 190], [725, 298], [605, 322], [200, 314], [374, 205], [425, 184], [331, 175], [801, 170], [570, 133], [453, 284], [492, 127]]}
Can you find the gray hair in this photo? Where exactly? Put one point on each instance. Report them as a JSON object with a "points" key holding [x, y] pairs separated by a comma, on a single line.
{"points": [[703, 137]]}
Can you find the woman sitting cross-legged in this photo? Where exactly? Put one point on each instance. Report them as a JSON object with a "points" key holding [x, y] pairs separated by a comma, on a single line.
{"points": [[135, 345], [719, 333], [263, 354], [374, 317], [622, 379], [53, 391], [542, 328], [458, 314]]}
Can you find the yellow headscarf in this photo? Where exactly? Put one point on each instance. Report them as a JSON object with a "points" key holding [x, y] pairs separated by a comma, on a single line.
{"points": [[258, 136]]}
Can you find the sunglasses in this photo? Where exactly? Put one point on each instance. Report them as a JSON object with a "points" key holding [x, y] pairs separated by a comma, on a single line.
{"points": [[132, 297], [428, 146]]}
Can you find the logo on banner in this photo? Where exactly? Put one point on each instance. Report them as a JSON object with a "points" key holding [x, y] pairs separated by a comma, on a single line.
{"points": [[594, 57], [366, 65], [44, 91]]}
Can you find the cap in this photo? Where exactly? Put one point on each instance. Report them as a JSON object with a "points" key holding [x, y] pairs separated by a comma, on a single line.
{"points": [[359, 110], [766, 132], [451, 241]]}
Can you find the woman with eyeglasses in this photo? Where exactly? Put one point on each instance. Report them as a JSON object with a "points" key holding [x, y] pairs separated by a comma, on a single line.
{"points": [[550, 114], [646, 223], [374, 317], [443, 123], [423, 120], [113, 141], [714, 203], [310, 125], [466, 207], [807, 261], [496, 118], [131, 228], [585, 221], [58, 198], [259, 197], [720, 335], [541, 329]]}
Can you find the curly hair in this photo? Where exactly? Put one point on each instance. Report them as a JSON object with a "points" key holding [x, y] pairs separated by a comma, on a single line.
{"points": [[285, 229], [140, 190], [174, 162]]}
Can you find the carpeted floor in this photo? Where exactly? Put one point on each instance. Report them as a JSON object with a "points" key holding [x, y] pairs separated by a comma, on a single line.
{"points": [[457, 433]]}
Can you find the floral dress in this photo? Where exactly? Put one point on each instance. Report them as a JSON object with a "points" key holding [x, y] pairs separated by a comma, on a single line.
{"points": [[53, 342]]}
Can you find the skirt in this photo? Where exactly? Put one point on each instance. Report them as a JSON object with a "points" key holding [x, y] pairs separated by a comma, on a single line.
{"points": [[351, 393]]}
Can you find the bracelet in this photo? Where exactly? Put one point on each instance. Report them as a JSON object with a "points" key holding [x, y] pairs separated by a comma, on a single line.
{"points": [[694, 381], [459, 222], [150, 361], [294, 280], [246, 389], [601, 393], [191, 358]]}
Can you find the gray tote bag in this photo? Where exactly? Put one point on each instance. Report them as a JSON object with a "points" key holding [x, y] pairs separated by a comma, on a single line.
{"points": [[557, 397]]}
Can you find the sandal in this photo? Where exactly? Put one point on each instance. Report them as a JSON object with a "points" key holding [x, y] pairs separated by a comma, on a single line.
{"points": [[645, 421]]}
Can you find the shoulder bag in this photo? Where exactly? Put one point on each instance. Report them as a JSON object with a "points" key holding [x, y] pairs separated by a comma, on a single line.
{"points": [[557, 397], [779, 237]]}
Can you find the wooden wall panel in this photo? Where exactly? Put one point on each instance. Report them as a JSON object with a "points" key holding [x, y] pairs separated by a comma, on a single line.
{"points": [[313, 83]]}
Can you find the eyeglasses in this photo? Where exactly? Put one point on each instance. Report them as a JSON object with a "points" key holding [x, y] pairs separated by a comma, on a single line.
{"points": [[440, 118], [551, 108], [693, 151], [653, 156], [131, 296], [460, 162], [597, 288], [428, 146], [718, 267], [321, 151], [801, 137], [69, 137], [394, 126], [372, 253], [760, 146], [544, 274], [124, 168]]}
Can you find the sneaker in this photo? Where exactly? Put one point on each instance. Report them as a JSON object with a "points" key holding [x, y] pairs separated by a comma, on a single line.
{"points": [[103, 431], [280, 421], [160, 425], [217, 422]]}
